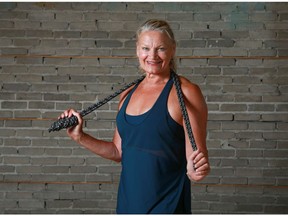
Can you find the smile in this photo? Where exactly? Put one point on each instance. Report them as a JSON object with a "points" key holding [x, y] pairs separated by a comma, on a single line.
{"points": [[154, 62]]}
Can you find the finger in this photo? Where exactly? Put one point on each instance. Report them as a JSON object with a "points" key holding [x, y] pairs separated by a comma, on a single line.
{"points": [[66, 113], [70, 112], [200, 161], [63, 115], [203, 172], [203, 167], [194, 155], [198, 157], [77, 114]]}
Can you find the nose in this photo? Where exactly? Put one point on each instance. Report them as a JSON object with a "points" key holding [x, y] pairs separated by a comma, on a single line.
{"points": [[153, 53]]}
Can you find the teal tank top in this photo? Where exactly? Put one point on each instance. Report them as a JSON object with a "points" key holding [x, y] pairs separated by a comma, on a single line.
{"points": [[153, 178]]}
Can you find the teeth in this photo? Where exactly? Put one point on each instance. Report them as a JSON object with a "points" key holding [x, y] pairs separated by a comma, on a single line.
{"points": [[154, 62]]}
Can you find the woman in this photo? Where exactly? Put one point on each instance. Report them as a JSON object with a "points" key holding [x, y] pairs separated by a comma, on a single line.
{"points": [[150, 141]]}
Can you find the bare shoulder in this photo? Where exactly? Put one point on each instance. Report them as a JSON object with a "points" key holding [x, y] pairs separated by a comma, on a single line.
{"points": [[189, 88], [192, 93]]}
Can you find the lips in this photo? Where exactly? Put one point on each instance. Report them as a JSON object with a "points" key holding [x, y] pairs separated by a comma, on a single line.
{"points": [[154, 62]]}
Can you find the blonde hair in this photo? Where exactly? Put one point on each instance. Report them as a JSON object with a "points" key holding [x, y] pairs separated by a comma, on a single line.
{"points": [[161, 26]]}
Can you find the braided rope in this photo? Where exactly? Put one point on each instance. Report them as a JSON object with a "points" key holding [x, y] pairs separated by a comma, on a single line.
{"points": [[177, 84], [73, 121]]}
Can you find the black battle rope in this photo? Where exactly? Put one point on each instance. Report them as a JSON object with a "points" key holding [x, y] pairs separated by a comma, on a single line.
{"points": [[184, 110], [73, 121]]}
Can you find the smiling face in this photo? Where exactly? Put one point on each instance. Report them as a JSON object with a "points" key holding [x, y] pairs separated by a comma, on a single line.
{"points": [[155, 50]]}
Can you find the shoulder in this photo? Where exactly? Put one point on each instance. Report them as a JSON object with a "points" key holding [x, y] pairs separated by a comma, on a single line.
{"points": [[192, 93], [189, 89]]}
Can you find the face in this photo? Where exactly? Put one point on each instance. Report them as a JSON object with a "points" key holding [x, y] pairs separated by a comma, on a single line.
{"points": [[155, 51]]}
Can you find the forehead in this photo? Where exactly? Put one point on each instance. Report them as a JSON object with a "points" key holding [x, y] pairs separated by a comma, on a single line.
{"points": [[154, 37]]}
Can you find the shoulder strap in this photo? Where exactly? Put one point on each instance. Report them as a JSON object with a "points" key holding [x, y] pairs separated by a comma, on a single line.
{"points": [[183, 109]]}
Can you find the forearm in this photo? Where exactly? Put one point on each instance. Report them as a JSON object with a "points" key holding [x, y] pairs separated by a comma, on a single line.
{"points": [[102, 148]]}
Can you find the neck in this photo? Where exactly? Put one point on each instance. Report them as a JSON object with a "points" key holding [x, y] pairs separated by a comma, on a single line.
{"points": [[157, 78]]}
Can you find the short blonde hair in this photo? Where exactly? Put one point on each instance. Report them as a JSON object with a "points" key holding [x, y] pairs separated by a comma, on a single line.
{"points": [[161, 26]]}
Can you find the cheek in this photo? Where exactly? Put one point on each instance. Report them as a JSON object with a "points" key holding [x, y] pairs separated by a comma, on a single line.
{"points": [[142, 55]]}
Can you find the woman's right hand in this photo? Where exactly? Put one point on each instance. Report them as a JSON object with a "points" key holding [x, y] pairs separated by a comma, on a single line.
{"points": [[75, 132]]}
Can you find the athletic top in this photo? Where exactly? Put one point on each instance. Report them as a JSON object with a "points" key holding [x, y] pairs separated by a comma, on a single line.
{"points": [[153, 178]]}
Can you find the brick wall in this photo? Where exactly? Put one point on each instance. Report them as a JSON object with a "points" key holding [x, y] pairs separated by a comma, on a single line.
{"points": [[59, 55]]}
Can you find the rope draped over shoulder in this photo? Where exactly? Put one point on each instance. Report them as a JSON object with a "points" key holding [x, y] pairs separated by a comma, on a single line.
{"points": [[177, 84], [73, 121]]}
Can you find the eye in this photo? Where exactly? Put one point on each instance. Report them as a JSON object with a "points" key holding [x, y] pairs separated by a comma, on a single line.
{"points": [[162, 49], [145, 48]]}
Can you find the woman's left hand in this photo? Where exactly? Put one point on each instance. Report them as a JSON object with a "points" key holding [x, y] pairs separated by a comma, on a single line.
{"points": [[198, 166]]}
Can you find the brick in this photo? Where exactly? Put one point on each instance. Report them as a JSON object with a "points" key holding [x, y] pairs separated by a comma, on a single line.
{"points": [[192, 43], [140, 6], [220, 43], [234, 52], [31, 204], [55, 169], [6, 24], [7, 169], [114, 6], [14, 51], [19, 195], [28, 169], [235, 34], [274, 117], [207, 16], [55, 25], [167, 6], [233, 107], [28, 96], [18, 123], [218, 79], [110, 26], [111, 62], [85, 6], [13, 105], [7, 6], [234, 126], [235, 88], [67, 34], [12, 33], [41, 105], [44, 161], [83, 25], [27, 24], [8, 204], [58, 152], [85, 204], [262, 126], [206, 52], [39, 33], [81, 43], [222, 62], [31, 151]]}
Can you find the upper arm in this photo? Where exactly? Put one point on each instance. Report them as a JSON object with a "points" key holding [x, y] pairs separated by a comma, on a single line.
{"points": [[198, 114]]}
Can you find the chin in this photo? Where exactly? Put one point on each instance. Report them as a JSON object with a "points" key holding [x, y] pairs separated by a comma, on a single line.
{"points": [[155, 70]]}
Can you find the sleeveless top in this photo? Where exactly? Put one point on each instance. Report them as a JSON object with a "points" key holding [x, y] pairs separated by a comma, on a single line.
{"points": [[153, 178]]}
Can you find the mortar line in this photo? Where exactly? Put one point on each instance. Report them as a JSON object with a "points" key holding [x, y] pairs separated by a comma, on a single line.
{"points": [[128, 57], [111, 182]]}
